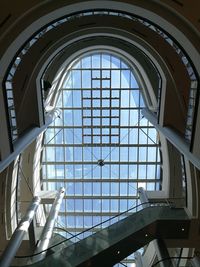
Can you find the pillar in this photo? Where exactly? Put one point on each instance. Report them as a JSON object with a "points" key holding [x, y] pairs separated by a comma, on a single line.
{"points": [[19, 233], [173, 137], [138, 259], [22, 142], [47, 231]]}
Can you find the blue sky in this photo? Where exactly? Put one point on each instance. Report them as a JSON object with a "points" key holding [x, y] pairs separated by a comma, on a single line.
{"points": [[101, 104]]}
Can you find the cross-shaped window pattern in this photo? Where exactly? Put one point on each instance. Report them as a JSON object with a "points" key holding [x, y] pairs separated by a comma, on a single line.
{"points": [[101, 149]]}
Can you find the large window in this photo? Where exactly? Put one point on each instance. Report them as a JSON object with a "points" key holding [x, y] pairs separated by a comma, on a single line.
{"points": [[101, 149]]}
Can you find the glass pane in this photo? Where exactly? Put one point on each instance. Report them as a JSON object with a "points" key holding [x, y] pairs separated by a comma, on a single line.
{"points": [[101, 149], [76, 79], [86, 62], [115, 62], [86, 79], [105, 61], [77, 98], [125, 78], [125, 98], [96, 61], [115, 79]]}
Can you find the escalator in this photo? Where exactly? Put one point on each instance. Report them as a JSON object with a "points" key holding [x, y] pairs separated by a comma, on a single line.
{"points": [[115, 242]]}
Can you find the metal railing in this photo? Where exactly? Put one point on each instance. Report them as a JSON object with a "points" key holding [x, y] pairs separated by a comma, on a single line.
{"points": [[28, 44], [176, 261], [96, 228], [11, 110], [184, 180]]}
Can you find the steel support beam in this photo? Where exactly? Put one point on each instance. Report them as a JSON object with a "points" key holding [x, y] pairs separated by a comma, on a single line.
{"points": [[19, 233], [138, 259], [47, 232], [178, 141], [28, 137]]}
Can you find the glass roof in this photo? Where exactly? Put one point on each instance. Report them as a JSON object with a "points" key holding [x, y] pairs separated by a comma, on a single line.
{"points": [[101, 149]]}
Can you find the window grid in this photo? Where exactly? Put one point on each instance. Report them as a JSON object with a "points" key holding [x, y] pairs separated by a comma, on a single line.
{"points": [[95, 192]]}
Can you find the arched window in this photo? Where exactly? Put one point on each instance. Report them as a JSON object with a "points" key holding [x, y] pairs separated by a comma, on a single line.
{"points": [[101, 149]]}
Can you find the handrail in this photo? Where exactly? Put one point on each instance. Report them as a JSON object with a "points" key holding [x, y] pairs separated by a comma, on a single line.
{"points": [[89, 229], [63, 229], [171, 258], [184, 179], [194, 120]]}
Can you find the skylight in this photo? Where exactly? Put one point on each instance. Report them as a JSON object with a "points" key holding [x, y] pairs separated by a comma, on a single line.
{"points": [[101, 149]]}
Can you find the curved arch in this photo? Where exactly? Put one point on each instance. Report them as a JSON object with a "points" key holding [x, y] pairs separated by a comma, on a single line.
{"points": [[91, 112], [158, 13], [145, 70], [17, 28], [123, 32]]}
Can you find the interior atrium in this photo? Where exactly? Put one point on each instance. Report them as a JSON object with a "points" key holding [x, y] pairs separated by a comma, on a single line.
{"points": [[99, 133]]}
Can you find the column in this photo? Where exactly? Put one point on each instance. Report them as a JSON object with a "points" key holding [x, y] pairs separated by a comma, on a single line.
{"points": [[138, 259], [28, 137], [18, 234], [174, 138], [47, 232]]}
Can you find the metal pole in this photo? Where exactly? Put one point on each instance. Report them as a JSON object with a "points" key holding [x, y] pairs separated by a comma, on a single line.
{"points": [[174, 138], [138, 259], [143, 197], [18, 234], [22, 142], [47, 232]]}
